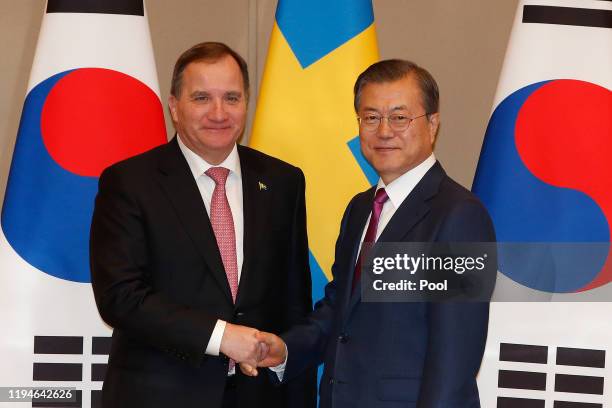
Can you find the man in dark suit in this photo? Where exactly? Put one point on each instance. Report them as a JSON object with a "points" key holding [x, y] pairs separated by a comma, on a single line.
{"points": [[195, 245], [411, 354]]}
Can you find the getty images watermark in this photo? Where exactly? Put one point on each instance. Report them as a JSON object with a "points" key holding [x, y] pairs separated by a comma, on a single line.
{"points": [[485, 271], [428, 271]]}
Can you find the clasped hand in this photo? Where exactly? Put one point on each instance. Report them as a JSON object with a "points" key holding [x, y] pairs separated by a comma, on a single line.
{"points": [[252, 348]]}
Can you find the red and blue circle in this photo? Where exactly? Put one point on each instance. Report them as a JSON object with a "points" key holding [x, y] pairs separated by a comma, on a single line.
{"points": [[74, 124], [544, 175]]}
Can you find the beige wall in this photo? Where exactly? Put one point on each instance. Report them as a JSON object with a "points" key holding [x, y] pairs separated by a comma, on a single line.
{"points": [[461, 42]]}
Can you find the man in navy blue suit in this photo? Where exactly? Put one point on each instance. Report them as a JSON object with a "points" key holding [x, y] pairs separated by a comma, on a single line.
{"points": [[410, 354]]}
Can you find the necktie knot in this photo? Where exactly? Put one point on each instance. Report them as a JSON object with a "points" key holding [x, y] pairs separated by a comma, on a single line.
{"points": [[379, 201], [381, 196], [218, 174]]}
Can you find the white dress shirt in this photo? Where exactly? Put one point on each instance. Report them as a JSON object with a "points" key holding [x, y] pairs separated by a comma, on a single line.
{"points": [[397, 191], [233, 190]]}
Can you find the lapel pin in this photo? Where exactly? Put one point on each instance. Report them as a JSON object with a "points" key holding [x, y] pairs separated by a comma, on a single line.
{"points": [[262, 186]]}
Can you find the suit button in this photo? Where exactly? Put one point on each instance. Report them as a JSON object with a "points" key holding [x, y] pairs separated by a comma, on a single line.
{"points": [[331, 381], [239, 314], [343, 338]]}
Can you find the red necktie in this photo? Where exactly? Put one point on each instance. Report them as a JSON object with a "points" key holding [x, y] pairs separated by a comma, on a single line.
{"points": [[379, 201], [223, 226]]}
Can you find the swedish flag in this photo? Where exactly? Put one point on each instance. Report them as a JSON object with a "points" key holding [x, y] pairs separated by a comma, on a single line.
{"points": [[305, 109]]}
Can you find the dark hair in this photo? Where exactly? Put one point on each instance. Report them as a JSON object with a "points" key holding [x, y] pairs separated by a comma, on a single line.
{"points": [[208, 52], [396, 69]]}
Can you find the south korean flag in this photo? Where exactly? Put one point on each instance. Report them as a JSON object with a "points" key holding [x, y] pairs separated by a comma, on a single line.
{"points": [[544, 175], [92, 100]]}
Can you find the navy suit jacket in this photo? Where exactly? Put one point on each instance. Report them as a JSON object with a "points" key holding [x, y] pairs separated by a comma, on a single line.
{"points": [[422, 355]]}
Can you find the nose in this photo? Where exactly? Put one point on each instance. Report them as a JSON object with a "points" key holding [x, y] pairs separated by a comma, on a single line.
{"points": [[384, 130], [217, 111]]}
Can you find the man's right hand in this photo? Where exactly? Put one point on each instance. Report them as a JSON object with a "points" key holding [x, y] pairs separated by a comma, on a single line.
{"points": [[241, 344], [274, 353], [276, 350]]}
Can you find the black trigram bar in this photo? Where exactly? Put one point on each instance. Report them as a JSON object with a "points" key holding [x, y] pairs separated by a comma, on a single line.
{"points": [[523, 380], [568, 404], [57, 372], [567, 16], [580, 384], [581, 357], [507, 402], [96, 399], [58, 345], [129, 7], [77, 403], [523, 353], [101, 345], [98, 371]]}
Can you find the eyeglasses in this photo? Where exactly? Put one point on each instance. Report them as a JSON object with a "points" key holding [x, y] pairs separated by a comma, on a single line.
{"points": [[396, 121]]}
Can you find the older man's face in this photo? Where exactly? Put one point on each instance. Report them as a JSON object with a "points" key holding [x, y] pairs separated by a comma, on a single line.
{"points": [[391, 152], [210, 113]]}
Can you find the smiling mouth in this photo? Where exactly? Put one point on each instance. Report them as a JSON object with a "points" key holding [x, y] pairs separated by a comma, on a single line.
{"points": [[216, 129]]}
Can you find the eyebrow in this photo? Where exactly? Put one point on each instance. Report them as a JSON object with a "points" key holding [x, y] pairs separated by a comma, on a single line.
{"points": [[206, 93], [393, 109], [198, 93]]}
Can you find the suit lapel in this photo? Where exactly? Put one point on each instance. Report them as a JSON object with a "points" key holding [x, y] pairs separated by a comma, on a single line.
{"points": [[410, 212], [182, 191], [355, 227], [255, 203], [414, 207]]}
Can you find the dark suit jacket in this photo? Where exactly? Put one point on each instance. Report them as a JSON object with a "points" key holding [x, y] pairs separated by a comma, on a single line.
{"points": [[422, 355], [159, 281]]}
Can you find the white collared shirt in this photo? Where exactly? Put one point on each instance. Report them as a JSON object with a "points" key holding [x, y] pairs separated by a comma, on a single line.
{"points": [[397, 191], [233, 190]]}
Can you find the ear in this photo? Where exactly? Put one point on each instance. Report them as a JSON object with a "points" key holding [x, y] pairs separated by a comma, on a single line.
{"points": [[434, 124], [172, 107]]}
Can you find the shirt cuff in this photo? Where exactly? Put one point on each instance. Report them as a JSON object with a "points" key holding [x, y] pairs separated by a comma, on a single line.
{"points": [[280, 369], [214, 343]]}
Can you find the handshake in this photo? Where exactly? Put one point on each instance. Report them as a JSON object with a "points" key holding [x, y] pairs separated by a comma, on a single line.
{"points": [[252, 348]]}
